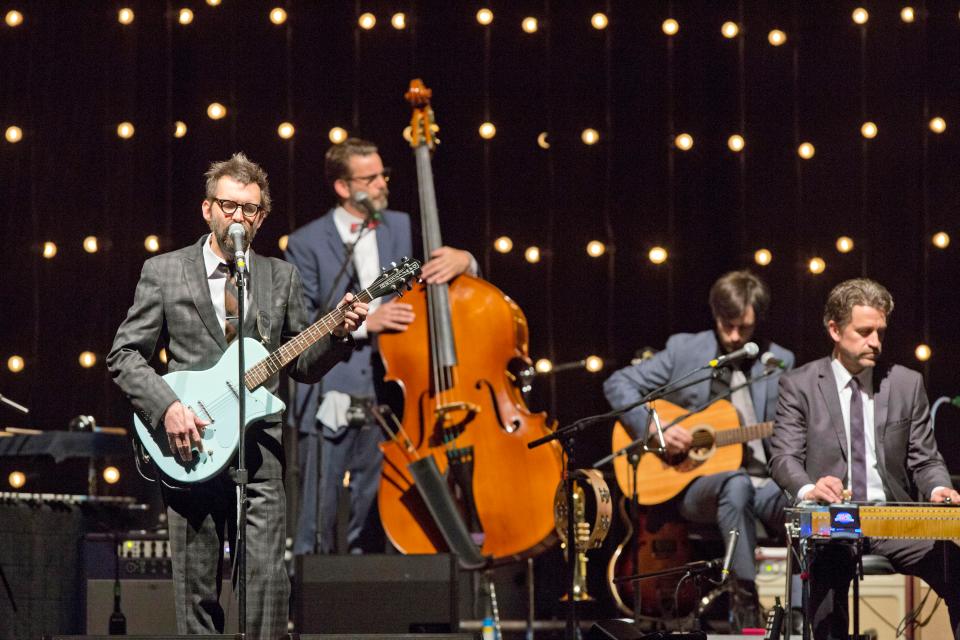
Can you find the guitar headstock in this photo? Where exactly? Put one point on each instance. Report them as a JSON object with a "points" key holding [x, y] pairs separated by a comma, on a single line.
{"points": [[422, 127], [395, 279]]}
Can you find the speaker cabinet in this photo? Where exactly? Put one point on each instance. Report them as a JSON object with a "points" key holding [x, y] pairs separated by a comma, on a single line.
{"points": [[393, 594]]}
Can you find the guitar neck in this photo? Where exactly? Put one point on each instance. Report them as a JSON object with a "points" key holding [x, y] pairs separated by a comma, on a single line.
{"points": [[263, 370], [744, 434]]}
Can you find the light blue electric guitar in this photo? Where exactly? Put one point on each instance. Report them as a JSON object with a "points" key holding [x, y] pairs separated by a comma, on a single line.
{"points": [[213, 394]]}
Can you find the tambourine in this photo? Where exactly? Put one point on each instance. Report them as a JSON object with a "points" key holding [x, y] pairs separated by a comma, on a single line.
{"points": [[595, 501]]}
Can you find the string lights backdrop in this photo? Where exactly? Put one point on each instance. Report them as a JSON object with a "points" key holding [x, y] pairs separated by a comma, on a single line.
{"points": [[605, 161]]}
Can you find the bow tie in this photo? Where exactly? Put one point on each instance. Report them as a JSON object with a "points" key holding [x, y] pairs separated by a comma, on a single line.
{"points": [[370, 224]]}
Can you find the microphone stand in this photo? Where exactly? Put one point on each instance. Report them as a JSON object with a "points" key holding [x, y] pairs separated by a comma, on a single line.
{"points": [[241, 474], [16, 405], [567, 436]]}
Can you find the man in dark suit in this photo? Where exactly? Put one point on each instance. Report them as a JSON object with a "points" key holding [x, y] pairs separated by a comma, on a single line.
{"points": [[848, 427], [734, 499], [184, 302], [344, 248]]}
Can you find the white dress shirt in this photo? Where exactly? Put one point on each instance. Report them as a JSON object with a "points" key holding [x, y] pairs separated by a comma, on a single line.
{"points": [[217, 281], [366, 256]]}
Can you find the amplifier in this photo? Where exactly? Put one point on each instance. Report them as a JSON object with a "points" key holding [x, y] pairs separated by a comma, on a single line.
{"points": [[135, 555]]}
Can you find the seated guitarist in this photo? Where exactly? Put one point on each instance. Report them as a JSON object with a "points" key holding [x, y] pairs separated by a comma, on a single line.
{"points": [[734, 499], [187, 301]]}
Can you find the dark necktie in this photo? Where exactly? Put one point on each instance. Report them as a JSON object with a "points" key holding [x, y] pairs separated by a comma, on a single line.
{"points": [[858, 446], [230, 303]]}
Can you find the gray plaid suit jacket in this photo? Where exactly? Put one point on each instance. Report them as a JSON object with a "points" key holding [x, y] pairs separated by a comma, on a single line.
{"points": [[172, 308]]}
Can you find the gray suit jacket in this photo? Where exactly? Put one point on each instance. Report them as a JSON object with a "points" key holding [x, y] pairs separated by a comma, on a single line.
{"points": [[172, 308], [685, 352], [317, 251], [809, 440]]}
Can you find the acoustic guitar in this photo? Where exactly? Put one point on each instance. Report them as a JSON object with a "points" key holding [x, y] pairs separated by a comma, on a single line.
{"points": [[715, 431]]}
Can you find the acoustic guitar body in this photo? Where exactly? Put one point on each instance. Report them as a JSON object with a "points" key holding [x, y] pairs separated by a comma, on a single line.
{"points": [[658, 481]]}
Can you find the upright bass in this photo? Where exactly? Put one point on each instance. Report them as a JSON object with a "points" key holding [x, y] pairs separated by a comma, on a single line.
{"points": [[462, 405]]}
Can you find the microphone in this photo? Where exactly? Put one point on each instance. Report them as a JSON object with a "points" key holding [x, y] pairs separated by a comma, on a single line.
{"points": [[770, 360], [749, 350], [239, 236], [728, 556], [362, 198]]}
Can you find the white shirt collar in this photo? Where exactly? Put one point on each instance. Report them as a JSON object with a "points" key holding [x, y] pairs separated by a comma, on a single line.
{"points": [[843, 376], [211, 261], [344, 220]]}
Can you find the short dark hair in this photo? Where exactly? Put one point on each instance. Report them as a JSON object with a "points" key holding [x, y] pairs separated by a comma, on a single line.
{"points": [[244, 171], [733, 292], [336, 163], [850, 293]]}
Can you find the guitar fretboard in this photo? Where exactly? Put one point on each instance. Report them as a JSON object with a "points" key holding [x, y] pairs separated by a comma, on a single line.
{"points": [[744, 434], [263, 370]]}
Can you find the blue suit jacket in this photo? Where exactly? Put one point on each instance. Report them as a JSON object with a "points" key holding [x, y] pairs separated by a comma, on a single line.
{"points": [[686, 352], [317, 251]]}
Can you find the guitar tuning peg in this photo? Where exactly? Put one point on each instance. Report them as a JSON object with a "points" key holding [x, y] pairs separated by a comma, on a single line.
{"points": [[383, 269], [393, 264]]}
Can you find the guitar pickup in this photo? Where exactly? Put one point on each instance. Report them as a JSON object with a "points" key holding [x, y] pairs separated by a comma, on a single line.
{"points": [[204, 411]]}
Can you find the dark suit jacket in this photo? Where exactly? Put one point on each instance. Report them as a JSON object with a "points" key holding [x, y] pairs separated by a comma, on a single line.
{"points": [[317, 251], [809, 440], [172, 308], [685, 352]]}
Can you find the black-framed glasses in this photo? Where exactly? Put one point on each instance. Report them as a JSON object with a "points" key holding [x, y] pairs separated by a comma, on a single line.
{"points": [[248, 209], [368, 180]]}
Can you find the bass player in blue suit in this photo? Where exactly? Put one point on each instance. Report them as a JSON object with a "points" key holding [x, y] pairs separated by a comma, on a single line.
{"points": [[734, 499], [342, 249]]}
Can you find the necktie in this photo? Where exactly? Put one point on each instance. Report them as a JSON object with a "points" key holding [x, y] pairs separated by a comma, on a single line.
{"points": [[858, 448], [230, 302], [356, 226]]}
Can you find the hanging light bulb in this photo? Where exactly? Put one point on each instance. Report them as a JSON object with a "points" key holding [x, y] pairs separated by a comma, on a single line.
{"points": [[670, 27], [762, 257]]}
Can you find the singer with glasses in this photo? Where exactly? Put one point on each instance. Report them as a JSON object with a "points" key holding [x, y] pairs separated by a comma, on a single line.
{"points": [[736, 499], [850, 427], [186, 302], [342, 249]]}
